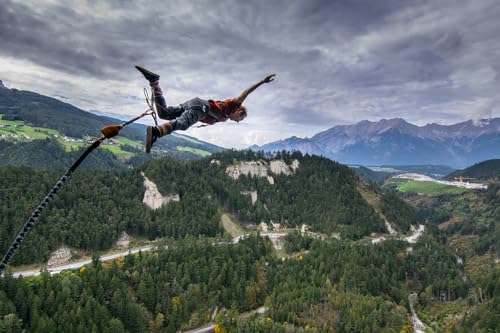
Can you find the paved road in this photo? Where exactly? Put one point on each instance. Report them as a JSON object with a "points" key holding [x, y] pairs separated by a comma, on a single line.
{"points": [[210, 327], [205, 329], [412, 239], [78, 264], [274, 236], [418, 325], [271, 235], [416, 234]]}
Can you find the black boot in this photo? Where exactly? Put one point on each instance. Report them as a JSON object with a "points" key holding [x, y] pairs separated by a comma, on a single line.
{"points": [[152, 134], [150, 76]]}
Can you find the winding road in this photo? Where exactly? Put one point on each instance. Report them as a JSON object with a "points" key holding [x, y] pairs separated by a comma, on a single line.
{"points": [[418, 325], [205, 329], [78, 264], [274, 236]]}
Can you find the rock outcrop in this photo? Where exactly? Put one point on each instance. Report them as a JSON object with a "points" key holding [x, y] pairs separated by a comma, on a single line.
{"points": [[263, 227], [61, 256], [248, 168], [252, 194], [153, 198], [123, 240], [262, 169]]}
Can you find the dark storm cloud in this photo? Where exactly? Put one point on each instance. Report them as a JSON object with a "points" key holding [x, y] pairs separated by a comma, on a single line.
{"points": [[337, 61], [74, 40], [43, 40]]}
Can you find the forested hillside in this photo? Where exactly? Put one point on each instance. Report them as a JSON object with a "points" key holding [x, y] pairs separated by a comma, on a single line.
{"points": [[337, 287], [369, 175], [486, 170], [92, 210], [321, 284], [469, 224], [322, 193], [43, 111], [470, 221], [155, 292], [49, 154], [96, 206]]}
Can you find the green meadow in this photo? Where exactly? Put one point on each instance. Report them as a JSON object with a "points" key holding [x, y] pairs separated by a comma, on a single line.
{"points": [[17, 130], [196, 151], [425, 187]]}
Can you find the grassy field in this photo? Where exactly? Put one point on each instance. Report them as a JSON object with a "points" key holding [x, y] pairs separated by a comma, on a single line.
{"points": [[425, 187], [25, 132], [70, 145], [196, 151], [17, 127], [115, 149], [125, 141]]}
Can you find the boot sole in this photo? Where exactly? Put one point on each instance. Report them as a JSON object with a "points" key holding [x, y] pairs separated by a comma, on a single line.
{"points": [[150, 76]]}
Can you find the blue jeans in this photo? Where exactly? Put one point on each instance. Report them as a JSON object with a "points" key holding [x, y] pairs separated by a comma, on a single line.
{"points": [[183, 115]]}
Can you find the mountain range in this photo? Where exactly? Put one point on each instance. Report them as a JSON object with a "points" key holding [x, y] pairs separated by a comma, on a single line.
{"points": [[397, 142]]}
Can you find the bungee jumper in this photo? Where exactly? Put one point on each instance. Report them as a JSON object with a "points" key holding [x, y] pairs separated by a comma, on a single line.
{"points": [[186, 114], [181, 118]]}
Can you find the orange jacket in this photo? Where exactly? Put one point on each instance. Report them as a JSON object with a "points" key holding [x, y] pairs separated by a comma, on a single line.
{"points": [[220, 110]]}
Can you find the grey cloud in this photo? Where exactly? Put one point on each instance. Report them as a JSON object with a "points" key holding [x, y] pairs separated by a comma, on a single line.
{"points": [[29, 36], [336, 61]]}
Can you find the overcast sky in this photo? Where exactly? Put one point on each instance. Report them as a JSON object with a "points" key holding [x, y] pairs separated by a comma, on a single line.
{"points": [[337, 62]]}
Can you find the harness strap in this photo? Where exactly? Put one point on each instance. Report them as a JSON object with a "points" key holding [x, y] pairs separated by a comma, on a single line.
{"points": [[213, 114]]}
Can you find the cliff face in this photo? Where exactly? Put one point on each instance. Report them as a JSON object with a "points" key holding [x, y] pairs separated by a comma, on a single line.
{"points": [[60, 257], [153, 198], [262, 169]]}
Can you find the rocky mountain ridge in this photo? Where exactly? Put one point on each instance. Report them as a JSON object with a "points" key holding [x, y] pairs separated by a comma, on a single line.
{"points": [[395, 141]]}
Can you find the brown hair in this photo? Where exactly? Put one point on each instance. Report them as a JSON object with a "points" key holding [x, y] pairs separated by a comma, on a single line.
{"points": [[243, 111]]}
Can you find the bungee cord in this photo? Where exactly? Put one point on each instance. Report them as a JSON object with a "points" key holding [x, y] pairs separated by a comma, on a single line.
{"points": [[107, 133]]}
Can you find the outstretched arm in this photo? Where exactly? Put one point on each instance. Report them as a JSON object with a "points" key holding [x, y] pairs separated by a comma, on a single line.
{"points": [[240, 99]]}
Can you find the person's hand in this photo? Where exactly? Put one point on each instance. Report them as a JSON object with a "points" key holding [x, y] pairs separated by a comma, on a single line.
{"points": [[269, 78]]}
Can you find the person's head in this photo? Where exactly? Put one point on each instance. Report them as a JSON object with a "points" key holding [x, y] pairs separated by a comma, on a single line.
{"points": [[239, 115]]}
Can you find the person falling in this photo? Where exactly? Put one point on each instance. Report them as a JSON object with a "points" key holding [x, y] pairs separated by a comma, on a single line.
{"points": [[184, 115]]}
